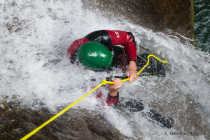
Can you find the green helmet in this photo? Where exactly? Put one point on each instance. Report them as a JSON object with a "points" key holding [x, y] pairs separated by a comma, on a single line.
{"points": [[95, 56]]}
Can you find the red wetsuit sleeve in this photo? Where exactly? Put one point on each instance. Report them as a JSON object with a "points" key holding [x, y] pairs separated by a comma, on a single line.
{"points": [[125, 39], [75, 45]]}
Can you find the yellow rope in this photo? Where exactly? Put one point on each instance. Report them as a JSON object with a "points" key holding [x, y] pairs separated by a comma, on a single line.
{"points": [[81, 98], [141, 70]]}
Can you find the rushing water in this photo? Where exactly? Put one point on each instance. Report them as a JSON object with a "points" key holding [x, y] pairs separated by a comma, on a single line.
{"points": [[34, 38], [202, 24]]}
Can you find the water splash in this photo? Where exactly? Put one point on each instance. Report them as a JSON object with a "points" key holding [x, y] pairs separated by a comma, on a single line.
{"points": [[34, 39]]}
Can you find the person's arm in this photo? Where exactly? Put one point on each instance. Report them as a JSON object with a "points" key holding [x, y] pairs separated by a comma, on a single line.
{"points": [[131, 71], [75, 45], [130, 48], [127, 40]]}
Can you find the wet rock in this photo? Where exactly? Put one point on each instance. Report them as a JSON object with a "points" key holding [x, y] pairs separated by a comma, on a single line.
{"points": [[155, 14], [187, 115], [77, 124]]}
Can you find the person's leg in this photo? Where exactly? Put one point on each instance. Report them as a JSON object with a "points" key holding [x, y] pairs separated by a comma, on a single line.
{"points": [[118, 61], [163, 121], [130, 104], [136, 105], [112, 100]]}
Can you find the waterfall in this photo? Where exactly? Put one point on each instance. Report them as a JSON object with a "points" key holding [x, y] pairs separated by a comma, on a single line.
{"points": [[34, 68]]}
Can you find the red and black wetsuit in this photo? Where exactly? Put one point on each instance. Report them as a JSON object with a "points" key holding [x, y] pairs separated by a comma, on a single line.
{"points": [[112, 38], [109, 38]]}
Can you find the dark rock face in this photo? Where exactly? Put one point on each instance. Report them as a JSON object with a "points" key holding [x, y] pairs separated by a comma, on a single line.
{"points": [[188, 120], [155, 14], [74, 125]]}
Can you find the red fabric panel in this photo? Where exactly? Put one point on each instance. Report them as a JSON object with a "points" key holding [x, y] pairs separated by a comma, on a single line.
{"points": [[123, 38], [75, 45]]}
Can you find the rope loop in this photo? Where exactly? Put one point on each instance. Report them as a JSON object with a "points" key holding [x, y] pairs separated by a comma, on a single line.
{"points": [[103, 82]]}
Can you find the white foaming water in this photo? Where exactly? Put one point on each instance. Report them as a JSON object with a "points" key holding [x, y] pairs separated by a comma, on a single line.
{"points": [[34, 38]]}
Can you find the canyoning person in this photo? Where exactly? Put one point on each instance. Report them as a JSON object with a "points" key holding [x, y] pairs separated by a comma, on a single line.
{"points": [[104, 50], [100, 50]]}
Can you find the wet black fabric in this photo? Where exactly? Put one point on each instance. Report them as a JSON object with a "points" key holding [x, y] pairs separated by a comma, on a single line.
{"points": [[102, 37], [163, 121], [119, 57], [132, 37], [136, 105], [155, 67], [73, 58], [131, 105]]}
